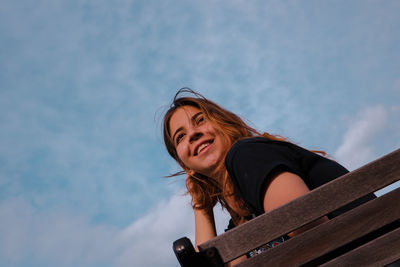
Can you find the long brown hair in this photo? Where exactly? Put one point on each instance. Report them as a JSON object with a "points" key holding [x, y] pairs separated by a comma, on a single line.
{"points": [[206, 191]]}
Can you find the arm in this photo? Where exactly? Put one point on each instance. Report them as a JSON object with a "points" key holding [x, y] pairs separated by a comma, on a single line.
{"points": [[204, 226], [205, 229], [283, 188], [203, 219]]}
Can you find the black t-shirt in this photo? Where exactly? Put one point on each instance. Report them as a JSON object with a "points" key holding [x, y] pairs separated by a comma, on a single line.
{"points": [[252, 162]]}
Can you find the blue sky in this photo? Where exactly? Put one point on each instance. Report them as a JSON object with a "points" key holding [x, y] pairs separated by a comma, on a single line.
{"points": [[83, 85]]}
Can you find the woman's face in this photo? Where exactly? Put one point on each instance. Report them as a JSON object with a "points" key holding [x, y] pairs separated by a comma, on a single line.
{"points": [[199, 145]]}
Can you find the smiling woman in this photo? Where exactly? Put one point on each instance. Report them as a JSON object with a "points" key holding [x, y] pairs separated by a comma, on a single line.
{"points": [[247, 172], [198, 144]]}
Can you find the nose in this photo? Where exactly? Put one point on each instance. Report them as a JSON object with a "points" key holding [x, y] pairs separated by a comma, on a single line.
{"points": [[194, 136]]}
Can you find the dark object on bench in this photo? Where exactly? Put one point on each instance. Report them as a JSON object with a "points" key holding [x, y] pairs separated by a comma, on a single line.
{"points": [[368, 235], [187, 256]]}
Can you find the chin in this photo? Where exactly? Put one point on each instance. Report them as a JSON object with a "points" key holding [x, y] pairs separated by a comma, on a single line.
{"points": [[210, 170]]}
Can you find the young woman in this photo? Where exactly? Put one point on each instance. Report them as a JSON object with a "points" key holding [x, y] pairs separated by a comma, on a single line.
{"points": [[229, 162]]}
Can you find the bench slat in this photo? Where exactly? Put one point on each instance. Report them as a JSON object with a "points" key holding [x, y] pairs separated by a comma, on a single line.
{"points": [[379, 252], [332, 234], [307, 208]]}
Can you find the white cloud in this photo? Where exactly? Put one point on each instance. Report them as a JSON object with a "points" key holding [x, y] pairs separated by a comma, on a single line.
{"points": [[356, 148], [150, 238], [60, 238], [52, 238]]}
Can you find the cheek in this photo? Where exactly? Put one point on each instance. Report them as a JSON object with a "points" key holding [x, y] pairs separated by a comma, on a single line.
{"points": [[181, 153], [224, 140]]}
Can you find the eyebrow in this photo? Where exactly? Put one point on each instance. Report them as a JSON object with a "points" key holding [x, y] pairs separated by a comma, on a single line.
{"points": [[177, 130], [181, 128], [195, 116]]}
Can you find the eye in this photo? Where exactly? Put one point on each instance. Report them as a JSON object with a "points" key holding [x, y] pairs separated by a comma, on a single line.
{"points": [[200, 119], [178, 139]]}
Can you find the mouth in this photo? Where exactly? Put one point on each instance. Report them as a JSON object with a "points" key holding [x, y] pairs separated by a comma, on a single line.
{"points": [[202, 147]]}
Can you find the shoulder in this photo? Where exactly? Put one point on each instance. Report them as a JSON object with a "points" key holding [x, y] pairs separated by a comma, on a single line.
{"points": [[252, 162], [259, 141], [257, 145]]}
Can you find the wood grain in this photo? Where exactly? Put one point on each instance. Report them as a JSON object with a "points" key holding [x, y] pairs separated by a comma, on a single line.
{"points": [[332, 234], [379, 252], [307, 208]]}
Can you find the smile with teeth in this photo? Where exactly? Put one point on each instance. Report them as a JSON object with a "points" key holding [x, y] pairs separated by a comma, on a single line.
{"points": [[202, 146]]}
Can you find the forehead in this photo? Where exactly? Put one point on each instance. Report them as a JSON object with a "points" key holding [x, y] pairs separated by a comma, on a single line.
{"points": [[181, 117]]}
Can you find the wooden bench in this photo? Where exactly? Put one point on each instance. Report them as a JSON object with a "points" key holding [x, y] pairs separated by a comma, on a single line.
{"points": [[314, 247]]}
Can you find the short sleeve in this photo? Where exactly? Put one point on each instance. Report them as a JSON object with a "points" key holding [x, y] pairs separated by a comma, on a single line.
{"points": [[251, 163]]}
